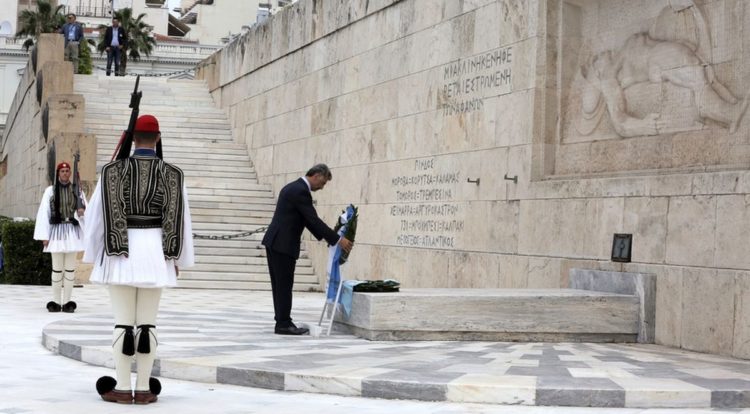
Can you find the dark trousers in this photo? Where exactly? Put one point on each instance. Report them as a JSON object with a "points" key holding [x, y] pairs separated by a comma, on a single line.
{"points": [[113, 54], [281, 268]]}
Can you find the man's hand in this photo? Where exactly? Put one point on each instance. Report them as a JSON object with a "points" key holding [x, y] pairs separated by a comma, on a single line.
{"points": [[345, 244], [107, 48], [45, 243], [81, 211]]}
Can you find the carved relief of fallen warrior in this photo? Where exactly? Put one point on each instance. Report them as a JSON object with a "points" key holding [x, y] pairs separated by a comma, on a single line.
{"points": [[645, 59]]}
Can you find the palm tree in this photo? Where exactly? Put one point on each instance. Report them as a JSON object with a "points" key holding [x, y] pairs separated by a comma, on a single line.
{"points": [[140, 41], [45, 19]]}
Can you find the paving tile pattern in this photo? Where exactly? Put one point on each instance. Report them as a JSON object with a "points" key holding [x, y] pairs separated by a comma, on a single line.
{"points": [[231, 342]]}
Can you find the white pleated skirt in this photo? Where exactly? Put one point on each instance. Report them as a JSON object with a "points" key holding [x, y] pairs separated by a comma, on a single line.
{"points": [[65, 238], [144, 266]]}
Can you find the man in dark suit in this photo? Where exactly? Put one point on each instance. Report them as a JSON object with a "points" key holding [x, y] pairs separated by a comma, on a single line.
{"points": [[115, 41], [294, 212]]}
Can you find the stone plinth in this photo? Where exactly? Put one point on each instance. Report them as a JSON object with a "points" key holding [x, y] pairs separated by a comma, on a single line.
{"points": [[56, 78], [642, 285], [495, 314], [66, 113], [50, 47]]}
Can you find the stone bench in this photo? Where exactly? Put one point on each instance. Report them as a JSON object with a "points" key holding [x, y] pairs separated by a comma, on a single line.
{"points": [[613, 312]]}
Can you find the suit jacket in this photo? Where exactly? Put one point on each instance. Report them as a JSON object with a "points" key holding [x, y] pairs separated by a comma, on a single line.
{"points": [[78, 32], [294, 212], [122, 37]]}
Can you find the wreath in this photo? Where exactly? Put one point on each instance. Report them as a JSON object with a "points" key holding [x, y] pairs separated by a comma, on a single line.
{"points": [[350, 231]]}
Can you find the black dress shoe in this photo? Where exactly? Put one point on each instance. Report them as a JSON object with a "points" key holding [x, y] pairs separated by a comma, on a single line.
{"points": [[290, 330]]}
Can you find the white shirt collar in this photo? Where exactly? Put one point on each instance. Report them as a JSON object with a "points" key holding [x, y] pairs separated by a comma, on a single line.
{"points": [[308, 184]]}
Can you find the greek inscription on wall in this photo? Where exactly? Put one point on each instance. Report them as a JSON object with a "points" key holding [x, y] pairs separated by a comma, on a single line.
{"points": [[466, 82], [426, 215]]}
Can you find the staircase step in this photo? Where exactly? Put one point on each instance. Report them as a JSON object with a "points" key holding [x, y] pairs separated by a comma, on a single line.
{"points": [[225, 195], [254, 218], [242, 260], [226, 212], [217, 284], [230, 209], [226, 184], [233, 243], [239, 270], [258, 251], [208, 157], [231, 193], [213, 228]]}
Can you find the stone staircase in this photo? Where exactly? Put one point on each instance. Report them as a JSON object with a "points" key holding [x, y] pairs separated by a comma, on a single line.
{"points": [[224, 194]]}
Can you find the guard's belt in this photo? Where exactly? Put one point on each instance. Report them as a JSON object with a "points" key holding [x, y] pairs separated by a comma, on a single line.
{"points": [[144, 222]]}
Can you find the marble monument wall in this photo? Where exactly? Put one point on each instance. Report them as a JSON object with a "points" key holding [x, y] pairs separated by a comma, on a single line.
{"points": [[499, 143]]}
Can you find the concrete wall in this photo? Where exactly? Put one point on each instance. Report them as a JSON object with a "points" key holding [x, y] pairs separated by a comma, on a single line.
{"points": [[423, 108]]}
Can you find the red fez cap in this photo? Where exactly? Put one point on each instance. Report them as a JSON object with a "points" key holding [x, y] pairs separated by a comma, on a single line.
{"points": [[147, 123], [63, 165]]}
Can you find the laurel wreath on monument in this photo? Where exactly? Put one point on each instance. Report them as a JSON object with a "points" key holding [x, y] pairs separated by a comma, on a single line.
{"points": [[350, 232]]}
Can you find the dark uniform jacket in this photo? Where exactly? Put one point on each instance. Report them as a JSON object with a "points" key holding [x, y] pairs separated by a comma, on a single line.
{"points": [[294, 212]]}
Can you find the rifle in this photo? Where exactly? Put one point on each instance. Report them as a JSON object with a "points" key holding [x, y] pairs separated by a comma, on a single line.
{"points": [[126, 139], [77, 182]]}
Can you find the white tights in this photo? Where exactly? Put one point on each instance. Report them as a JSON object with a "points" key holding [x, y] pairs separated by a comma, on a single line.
{"points": [[134, 307], [63, 276]]}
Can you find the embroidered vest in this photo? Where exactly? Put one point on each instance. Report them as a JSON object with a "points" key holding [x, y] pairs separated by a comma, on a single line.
{"points": [[67, 205], [142, 192]]}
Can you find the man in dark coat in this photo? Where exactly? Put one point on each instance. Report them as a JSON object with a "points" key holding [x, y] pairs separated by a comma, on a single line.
{"points": [[294, 212], [115, 41]]}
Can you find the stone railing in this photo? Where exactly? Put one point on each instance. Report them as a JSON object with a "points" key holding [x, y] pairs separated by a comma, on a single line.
{"points": [[90, 11], [161, 49], [11, 42]]}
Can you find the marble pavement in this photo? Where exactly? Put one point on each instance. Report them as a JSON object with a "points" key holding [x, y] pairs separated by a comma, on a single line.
{"points": [[224, 337]]}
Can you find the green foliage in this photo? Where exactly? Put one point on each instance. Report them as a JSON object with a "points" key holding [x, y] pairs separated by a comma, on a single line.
{"points": [[25, 263], [3, 220], [85, 63], [45, 19]]}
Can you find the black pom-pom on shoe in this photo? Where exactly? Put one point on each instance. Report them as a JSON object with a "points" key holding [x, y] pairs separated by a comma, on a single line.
{"points": [[69, 307], [105, 384], [154, 385], [53, 306]]}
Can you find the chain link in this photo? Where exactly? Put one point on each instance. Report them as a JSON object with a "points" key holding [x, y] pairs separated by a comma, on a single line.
{"points": [[200, 65], [154, 75], [229, 236]]}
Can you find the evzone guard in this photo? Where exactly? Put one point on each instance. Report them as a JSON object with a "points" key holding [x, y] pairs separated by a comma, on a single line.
{"points": [[59, 225], [139, 233]]}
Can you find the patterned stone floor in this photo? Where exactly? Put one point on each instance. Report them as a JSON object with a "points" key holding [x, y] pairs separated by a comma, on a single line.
{"points": [[225, 337]]}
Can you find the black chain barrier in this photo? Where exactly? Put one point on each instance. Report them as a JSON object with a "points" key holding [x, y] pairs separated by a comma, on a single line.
{"points": [[160, 74], [229, 236]]}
